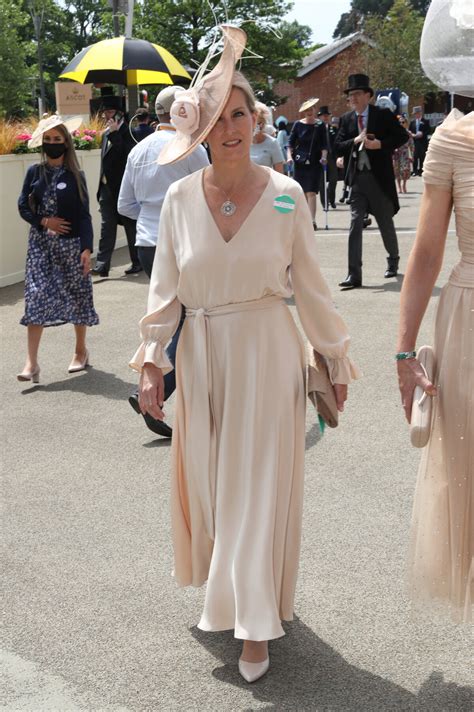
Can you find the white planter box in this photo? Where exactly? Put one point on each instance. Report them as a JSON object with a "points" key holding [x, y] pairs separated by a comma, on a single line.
{"points": [[14, 230]]}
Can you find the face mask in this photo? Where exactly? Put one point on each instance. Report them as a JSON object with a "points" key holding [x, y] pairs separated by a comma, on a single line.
{"points": [[54, 150]]}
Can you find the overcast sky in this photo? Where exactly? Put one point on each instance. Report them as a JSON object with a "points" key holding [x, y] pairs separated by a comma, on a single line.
{"points": [[321, 15]]}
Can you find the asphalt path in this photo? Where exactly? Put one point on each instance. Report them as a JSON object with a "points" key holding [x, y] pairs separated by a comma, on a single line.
{"points": [[92, 619]]}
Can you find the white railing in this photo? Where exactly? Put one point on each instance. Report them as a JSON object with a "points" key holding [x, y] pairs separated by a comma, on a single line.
{"points": [[14, 230]]}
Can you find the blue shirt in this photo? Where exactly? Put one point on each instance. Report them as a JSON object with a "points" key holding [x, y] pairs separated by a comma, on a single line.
{"points": [[145, 183]]}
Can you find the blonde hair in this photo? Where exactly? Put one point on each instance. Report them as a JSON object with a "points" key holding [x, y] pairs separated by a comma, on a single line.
{"points": [[242, 83], [70, 160]]}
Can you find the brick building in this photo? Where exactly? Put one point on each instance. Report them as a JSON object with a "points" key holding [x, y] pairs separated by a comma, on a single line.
{"points": [[324, 74]]}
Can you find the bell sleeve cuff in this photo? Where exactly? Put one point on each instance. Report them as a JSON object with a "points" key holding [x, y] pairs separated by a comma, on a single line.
{"points": [[151, 352], [342, 370]]}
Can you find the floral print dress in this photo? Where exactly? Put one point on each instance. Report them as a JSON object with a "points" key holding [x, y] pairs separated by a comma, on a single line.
{"points": [[56, 290]]}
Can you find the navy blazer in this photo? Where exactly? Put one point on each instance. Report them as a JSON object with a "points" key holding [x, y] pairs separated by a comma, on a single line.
{"points": [[424, 127], [391, 134], [70, 206]]}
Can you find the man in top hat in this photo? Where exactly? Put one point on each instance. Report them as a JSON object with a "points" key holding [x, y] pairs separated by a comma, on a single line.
{"points": [[366, 138], [419, 130], [144, 186], [116, 145], [330, 174]]}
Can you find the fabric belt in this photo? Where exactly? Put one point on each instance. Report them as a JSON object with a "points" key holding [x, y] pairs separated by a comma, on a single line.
{"points": [[200, 435]]}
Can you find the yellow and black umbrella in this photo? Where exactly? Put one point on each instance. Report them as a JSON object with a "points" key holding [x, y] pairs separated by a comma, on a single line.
{"points": [[123, 60]]}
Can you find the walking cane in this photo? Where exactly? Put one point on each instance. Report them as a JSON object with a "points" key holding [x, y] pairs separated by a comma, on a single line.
{"points": [[325, 168]]}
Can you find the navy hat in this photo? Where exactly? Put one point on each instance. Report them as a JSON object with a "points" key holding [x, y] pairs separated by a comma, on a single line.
{"points": [[324, 110], [359, 81]]}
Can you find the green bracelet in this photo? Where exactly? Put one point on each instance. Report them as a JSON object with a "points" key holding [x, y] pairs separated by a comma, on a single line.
{"points": [[404, 355]]}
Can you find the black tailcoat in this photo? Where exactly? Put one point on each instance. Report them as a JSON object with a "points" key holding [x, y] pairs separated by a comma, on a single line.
{"points": [[116, 145], [385, 126]]}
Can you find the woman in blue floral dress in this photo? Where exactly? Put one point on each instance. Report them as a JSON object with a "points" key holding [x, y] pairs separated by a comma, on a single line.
{"points": [[58, 286]]}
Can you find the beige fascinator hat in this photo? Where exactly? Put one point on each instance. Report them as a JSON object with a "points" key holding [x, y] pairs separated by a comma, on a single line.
{"points": [[308, 104], [51, 122], [196, 110]]}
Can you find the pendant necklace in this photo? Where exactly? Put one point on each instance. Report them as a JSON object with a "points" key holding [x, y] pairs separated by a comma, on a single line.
{"points": [[228, 207]]}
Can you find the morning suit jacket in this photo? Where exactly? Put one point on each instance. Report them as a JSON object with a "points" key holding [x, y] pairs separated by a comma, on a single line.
{"points": [[116, 145], [385, 126], [424, 127]]}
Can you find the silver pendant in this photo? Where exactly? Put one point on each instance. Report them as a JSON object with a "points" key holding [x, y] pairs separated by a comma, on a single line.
{"points": [[228, 208]]}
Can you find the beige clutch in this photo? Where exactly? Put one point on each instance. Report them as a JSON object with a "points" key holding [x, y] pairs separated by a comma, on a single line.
{"points": [[420, 425], [320, 390]]}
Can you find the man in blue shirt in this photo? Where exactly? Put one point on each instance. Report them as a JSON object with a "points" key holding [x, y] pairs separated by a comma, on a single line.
{"points": [[142, 193]]}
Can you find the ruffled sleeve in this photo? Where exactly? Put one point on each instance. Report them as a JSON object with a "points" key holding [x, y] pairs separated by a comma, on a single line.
{"points": [[164, 309], [324, 327]]}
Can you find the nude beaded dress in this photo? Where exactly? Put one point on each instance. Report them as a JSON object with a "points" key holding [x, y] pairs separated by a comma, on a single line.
{"points": [[239, 432], [442, 553]]}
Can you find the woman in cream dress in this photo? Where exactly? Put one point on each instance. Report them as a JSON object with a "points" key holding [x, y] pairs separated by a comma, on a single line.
{"points": [[442, 546], [239, 433]]}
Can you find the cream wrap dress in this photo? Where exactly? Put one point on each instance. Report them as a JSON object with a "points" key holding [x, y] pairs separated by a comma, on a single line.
{"points": [[239, 432], [442, 551]]}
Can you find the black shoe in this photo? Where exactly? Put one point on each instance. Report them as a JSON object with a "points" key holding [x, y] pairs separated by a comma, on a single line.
{"points": [[333, 206], [390, 272], [342, 200], [350, 283], [134, 269], [100, 271], [367, 222], [159, 427], [315, 227]]}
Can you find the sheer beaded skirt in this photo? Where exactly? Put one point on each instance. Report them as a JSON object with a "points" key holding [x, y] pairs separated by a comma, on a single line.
{"points": [[442, 545]]}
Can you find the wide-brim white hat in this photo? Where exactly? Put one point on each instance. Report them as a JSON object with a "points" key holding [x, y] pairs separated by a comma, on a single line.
{"points": [[195, 111], [308, 104], [51, 122]]}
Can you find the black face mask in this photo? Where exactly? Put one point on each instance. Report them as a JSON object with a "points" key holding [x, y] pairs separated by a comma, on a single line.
{"points": [[54, 150]]}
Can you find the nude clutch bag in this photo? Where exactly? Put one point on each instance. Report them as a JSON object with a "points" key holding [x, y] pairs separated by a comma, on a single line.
{"points": [[320, 390], [421, 411]]}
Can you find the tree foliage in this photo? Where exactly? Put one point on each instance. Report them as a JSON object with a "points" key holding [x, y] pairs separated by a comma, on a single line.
{"points": [[184, 27], [364, 10], [15, 81], [394, 51]]}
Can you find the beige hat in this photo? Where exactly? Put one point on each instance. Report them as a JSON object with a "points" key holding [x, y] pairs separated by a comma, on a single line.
{"points": [[165, 99], [196, 110], [51, 122], [308, 104]]}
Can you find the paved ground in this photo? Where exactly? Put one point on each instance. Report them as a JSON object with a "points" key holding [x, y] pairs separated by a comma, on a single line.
{"points": [[92, 618]]}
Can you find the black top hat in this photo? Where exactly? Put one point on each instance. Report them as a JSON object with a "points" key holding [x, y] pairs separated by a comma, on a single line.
{"points": [[109, 101], [324, 110], [359, 81]]}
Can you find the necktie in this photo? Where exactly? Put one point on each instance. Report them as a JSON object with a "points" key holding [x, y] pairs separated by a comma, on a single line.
{"points": [[360, 121]]}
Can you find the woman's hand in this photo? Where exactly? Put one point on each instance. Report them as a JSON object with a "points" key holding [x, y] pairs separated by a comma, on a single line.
{"points": [[86, 262], [151, 391], [340, 391], [410, 374], [59, 225]]}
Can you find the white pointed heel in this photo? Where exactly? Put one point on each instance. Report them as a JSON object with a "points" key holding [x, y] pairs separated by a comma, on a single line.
{"points": [[77, 365], [253, 671], [29, 375]]}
